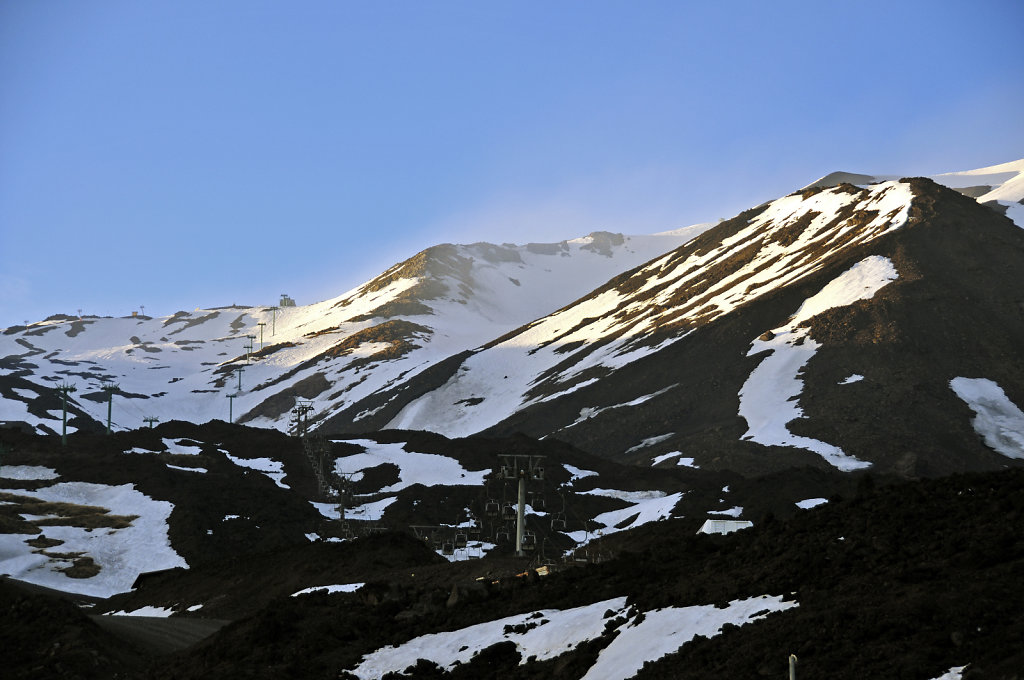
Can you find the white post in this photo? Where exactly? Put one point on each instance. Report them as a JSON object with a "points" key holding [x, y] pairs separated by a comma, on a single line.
{"points": [[520, 513]]}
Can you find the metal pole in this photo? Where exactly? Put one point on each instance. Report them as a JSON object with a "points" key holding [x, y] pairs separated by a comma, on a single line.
{"points": [[520, 512], [64, 389], [64, 420], [109, 388], [792, 667]]}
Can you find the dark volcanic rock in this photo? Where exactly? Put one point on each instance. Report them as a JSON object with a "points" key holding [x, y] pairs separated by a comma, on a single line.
{"points": [[892, 579]]}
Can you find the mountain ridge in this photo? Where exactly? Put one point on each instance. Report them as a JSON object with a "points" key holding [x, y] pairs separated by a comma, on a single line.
{"points": [[491, 338]]}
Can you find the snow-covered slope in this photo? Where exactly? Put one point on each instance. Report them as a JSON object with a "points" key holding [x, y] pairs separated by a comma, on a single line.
{"points": [[655, 306], [445, 300]]}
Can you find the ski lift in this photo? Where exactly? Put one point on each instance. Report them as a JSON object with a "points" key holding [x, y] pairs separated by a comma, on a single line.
{"points": [[558, 521], [544, 560], [492, 508], [537, 473], [502, 536], [529, 541], [508, 513], [474, 530], [448, 548], [460, 540]]}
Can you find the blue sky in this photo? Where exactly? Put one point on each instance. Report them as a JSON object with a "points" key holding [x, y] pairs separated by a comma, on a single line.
{"points": [[181, 154]]}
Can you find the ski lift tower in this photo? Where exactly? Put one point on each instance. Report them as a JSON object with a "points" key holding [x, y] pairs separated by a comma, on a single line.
{"points": [[523, 469]]}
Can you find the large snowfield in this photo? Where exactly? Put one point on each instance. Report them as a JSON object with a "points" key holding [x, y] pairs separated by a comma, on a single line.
{"points": [[120, 553]]}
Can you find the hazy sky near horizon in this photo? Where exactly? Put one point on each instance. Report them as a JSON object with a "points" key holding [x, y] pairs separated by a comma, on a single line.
{"points": [[187, 154]]}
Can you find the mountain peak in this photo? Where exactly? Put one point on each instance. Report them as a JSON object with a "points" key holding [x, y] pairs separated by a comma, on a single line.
{"points": [[1000, 187]]}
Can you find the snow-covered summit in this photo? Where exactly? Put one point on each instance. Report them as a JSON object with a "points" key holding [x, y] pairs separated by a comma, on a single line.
{"points": [[1000, 186]]}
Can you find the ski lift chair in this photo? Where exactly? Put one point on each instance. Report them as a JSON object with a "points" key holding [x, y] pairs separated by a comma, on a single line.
{"points": [[460, 540]]}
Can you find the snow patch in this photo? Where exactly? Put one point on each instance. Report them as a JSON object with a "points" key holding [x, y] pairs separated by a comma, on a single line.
{"points": [[180, 448], [328, 510], [371, 512], [121, 554], [563, 631], [954, 673], [161, 612], [723, 526], [768, 398], [186, 469], [650, 441], [998, 420], [683, 461], [27, 472], [577, 473], [664, 631], [811, 503], [649, 506], [628, 496], [342, 588], [428, 469], [271, 468], [552, 632]]}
